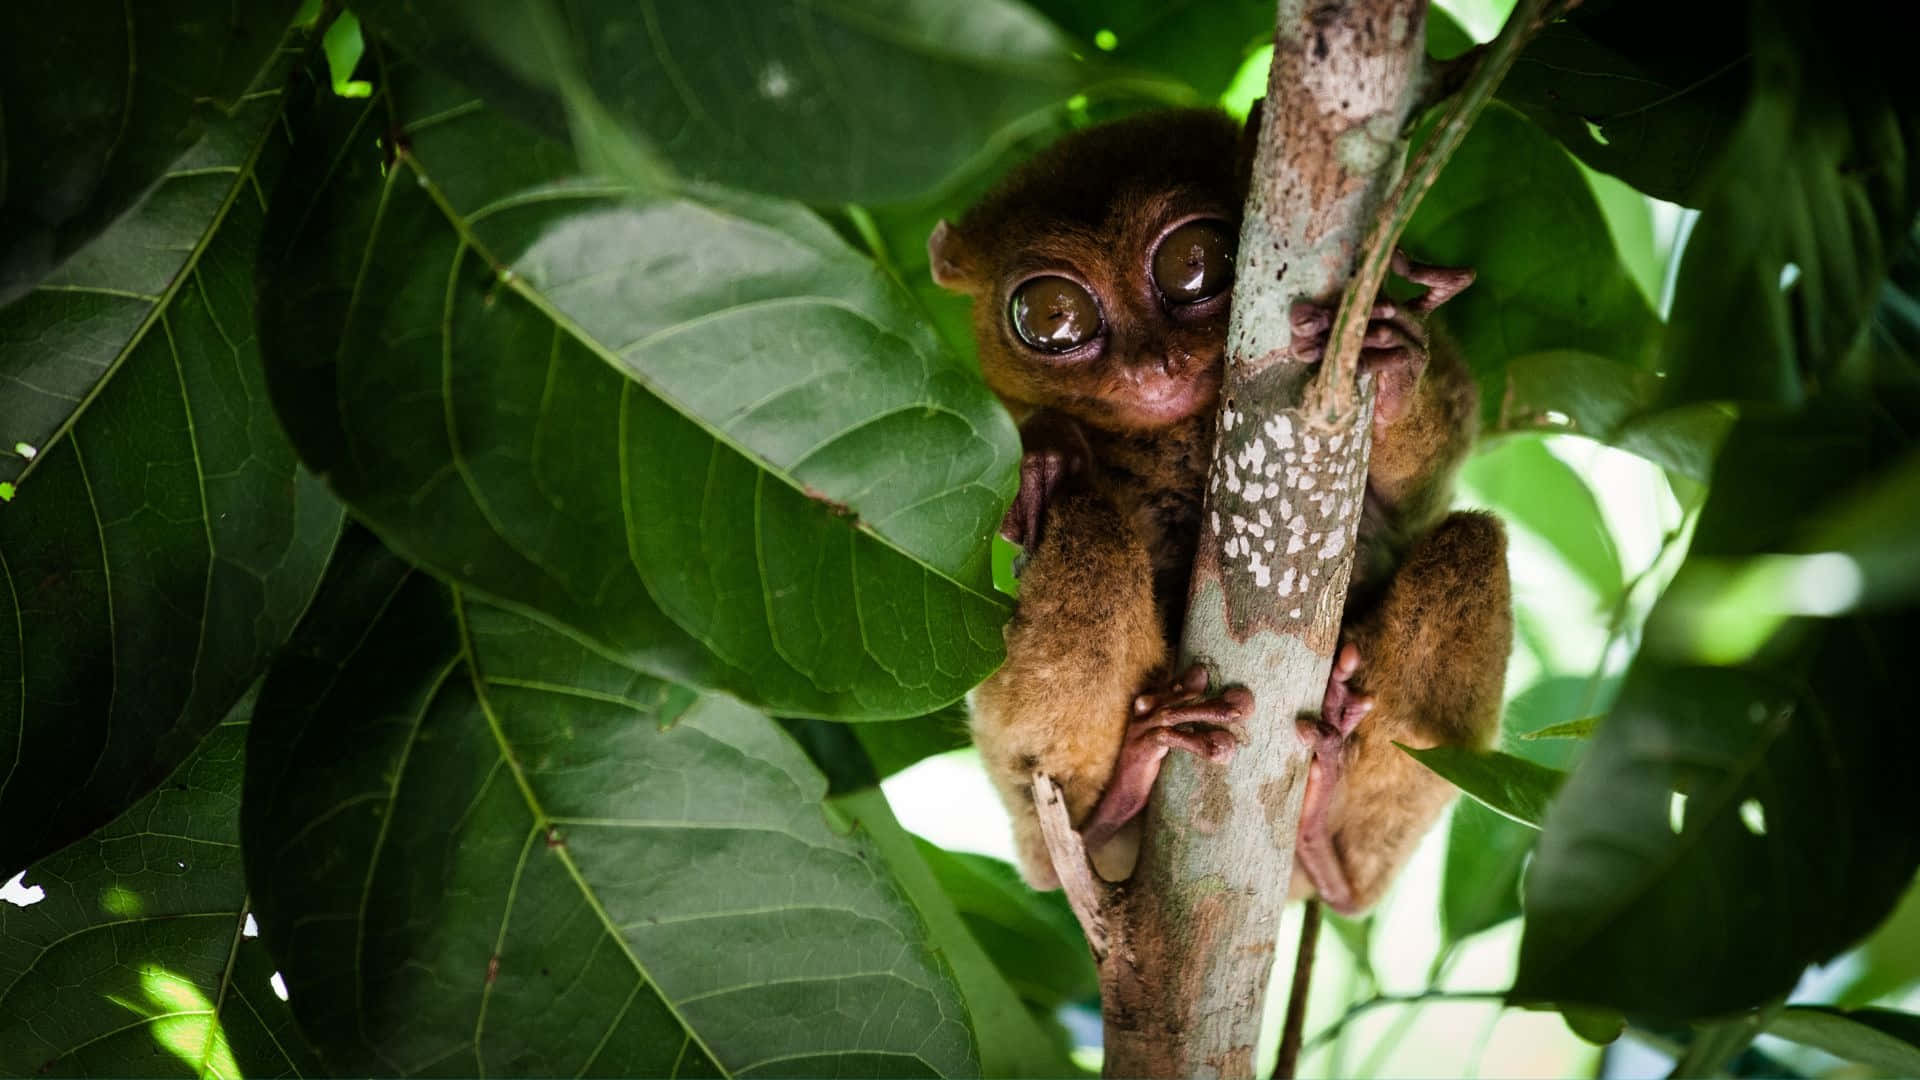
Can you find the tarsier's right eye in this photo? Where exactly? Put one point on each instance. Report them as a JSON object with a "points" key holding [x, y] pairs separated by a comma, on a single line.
{"points": [[1053, 314]]}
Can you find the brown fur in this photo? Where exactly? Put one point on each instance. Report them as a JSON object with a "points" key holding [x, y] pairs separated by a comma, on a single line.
{"points": [[1102, 598]]}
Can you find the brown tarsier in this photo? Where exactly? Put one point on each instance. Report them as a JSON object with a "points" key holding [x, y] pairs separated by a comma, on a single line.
{"points": [[1101, 273]]}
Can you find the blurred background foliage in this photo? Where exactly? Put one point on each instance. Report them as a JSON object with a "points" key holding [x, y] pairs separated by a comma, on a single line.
{"points": [[572, 763]]}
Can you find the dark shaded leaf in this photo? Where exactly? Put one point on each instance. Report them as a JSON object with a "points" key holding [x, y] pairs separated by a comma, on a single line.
{"points": [[100, 100], [697, 428], [136, 961], [1513, 786], [1510, 205], [1889, 960], [1201, 43], [1654, 108], [848, 101], [166, 540], [1597, 1026], [1883, 1038], [1729, 825], [1816, 193], [1583, 394], [478, 846]]}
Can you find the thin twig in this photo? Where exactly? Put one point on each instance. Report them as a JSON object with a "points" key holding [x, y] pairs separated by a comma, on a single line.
{"points": [[1085, 895], [1325, 398], [1289, 1061], [1331, 1031]]}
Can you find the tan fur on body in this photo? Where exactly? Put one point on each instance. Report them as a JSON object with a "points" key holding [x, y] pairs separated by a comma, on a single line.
{"points": [[1102, 597]]}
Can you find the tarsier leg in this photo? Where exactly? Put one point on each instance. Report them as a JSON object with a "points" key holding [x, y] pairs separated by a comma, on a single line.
{"points": [[1176, 717], [1431, 659]]}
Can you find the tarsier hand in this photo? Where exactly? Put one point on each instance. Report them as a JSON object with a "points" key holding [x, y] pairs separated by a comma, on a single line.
{"points": [[1056, 454], [1394, 350]]}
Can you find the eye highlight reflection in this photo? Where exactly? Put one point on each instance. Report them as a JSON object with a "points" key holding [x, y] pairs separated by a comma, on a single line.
{"points": [[1194, 262], [1053, 314]]}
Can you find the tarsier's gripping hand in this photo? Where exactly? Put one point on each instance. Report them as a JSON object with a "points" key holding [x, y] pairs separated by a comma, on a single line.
{"points": [[1395, 349], [1174, 716]]}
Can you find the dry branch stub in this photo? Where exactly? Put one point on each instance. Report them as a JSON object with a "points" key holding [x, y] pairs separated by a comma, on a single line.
{"points": [[1191, 936]]}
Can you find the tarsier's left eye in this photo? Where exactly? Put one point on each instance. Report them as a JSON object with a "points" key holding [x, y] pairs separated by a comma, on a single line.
{"points": [[1194, 262]]}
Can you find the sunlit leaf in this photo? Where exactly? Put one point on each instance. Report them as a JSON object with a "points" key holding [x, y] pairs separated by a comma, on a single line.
{"points": [[138, 960], [696, 429], [478, 846], [1513, 786], [165, 541]]}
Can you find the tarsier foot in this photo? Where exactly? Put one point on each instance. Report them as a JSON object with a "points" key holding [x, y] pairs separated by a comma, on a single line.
{"points": [[1056, 452], [1176, 716], [1395, 349], [1341, 711]]}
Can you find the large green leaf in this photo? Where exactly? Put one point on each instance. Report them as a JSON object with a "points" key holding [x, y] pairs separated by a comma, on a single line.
{"points": [[1580, 393], [1734, 820], [99, 99], [1512, 206], [1534, 489], [1032, 937], [1649, 92], [138, 959], [477, 846], [1017, 1040], [1815, 195], [695, 428], [850, 100], [166, 540]]}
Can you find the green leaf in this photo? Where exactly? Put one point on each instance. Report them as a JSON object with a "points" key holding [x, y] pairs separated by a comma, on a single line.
{"points": [[137, 960], [1729, 825], [696, 429], [1582, 728], [1883, 1038], [1510, 205], [1652, 107], [1597, 1026], [166, 540], [1583, 394], [847, 101], [1200, 43], [477, 846], [101, 100], [1513, 786], [1889, 960], [1815, 195], [1486, 850], [1032, 937], [1017, 1042], [1541, 493]]}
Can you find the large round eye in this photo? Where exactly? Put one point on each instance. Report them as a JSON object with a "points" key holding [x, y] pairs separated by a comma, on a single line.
{"points": [[1194, 263], [1054, 315]]}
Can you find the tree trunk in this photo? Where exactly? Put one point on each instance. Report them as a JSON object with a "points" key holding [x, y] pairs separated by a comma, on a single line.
{"points": [[1192, 934]]}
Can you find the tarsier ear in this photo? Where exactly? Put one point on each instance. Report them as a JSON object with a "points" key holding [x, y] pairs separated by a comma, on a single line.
{"points": [[948, 256]]}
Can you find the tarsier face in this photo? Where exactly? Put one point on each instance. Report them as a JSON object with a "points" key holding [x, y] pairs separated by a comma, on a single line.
{"points": [[1102, 271]]}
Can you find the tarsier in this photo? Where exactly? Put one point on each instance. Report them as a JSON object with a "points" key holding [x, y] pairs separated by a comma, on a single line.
{"points": [[1101, 273]]}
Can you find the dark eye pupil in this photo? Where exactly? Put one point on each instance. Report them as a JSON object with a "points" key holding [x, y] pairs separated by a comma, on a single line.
{"points": [[1194, 262], [1054, 314]]}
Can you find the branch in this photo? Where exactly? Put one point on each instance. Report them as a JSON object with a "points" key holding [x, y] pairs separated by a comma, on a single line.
{"points": [[1186, 947]]}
